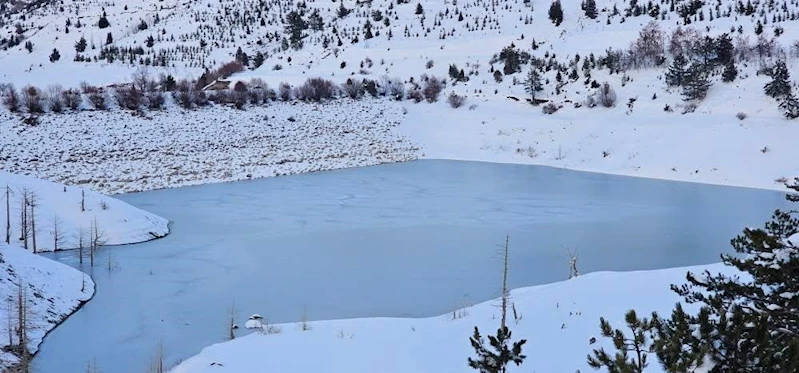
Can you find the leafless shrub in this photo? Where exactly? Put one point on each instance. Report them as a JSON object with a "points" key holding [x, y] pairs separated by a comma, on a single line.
{"points": [[229, 69], [606, 95], [550, 108], [429, 64], [72, 99], [128, 97], [96, 96], [185, 94], [32, 99], [393, 88], [455, 101], [155, 99], [284, 91], [353, 89], [689, 108], [55, 100], [239, 95], [649, 46], [221, 97], [415, 94], [432, 89], [684, 41], [315, 89], [741, 115], [10, 97], [141, 78]]}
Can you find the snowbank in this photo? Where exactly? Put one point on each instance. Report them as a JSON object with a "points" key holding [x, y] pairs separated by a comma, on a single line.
{"points": [[53, 291], [117, 221], [558, 320]]}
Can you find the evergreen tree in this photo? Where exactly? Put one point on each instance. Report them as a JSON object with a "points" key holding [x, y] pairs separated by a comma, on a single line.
{"points": [[640, 344], [80, 46], [495, 361], [533, 83], [780, 85], [102, 23], [751, 323], [590, 9], [676, 74], [295, 26], [258, 60], [724, 49], [419, 9], [109, 39], [315, 21], [556, 12], [55, 56], [29, 46], [242, 57], [730, 72], [367, 33], [696, 83], [790, 107], [342, 12]]}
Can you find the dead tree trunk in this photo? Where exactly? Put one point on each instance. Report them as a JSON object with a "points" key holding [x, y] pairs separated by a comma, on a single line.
{"points": [[23, 220], [32, 201], [505, 283], [57, 235], [82, 200], [8, 214], [232, 322]]}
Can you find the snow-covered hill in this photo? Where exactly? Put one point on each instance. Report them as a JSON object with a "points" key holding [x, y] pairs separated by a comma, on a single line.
{"points": [[736, 135], [558, 320], [69, 213], [51, 292]]}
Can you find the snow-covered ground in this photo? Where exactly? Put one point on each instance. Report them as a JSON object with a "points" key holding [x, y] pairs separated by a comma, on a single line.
{"points": [[52, 290], [72, 212], [117, 152], [557, 320]]}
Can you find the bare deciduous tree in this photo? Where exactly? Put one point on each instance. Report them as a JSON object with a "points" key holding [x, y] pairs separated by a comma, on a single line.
{"points": [[505, 293], [304, 325], [33, 202], [58, 236], [232, 321], [8, 214]]}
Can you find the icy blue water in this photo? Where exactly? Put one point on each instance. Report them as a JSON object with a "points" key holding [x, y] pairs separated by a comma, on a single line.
{"points": [[415, 239]]}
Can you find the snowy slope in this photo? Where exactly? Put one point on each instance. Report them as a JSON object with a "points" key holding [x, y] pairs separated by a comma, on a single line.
{"points": [[118, 222], [53, 291], [558, 320], [638, 138]]}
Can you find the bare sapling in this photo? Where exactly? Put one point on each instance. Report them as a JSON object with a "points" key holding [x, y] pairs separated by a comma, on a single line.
{"points": [[505, 294], [24, 228], [33, 202], [304, 325], [573, 272], [8, 214], [157, 363], [58, 235], [232, 321]]}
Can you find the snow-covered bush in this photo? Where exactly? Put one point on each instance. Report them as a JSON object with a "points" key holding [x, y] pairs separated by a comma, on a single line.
{"points": [[432, 89], [455, 101], [550, 108], [606, 95]]}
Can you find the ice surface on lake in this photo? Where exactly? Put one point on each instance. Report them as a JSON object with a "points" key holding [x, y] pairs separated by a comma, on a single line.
{"points": [[413, 239]]}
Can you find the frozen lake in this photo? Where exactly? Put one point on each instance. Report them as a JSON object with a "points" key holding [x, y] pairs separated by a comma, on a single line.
{"points": [[415, 239]]}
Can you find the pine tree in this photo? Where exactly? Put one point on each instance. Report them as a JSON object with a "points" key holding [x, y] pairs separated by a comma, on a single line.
{"points": [[367, 33], [80, 46], [533, 83], [750, 323], [295, 26], [724, 49], [730, 72], [590, 9], [109, 39], [780, 85], [640, 344], [419, 9], [29, 46], [495, 361], [55, 56], [258, 60], [102, 23], [696, 83], [790, 107], [556, 12], [677, 73]]}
